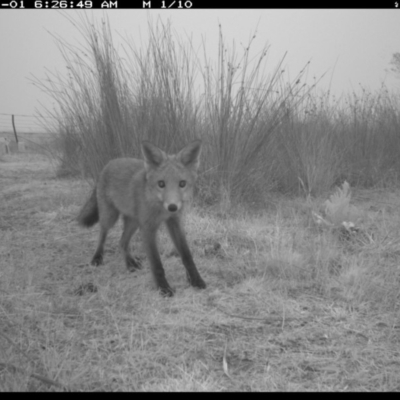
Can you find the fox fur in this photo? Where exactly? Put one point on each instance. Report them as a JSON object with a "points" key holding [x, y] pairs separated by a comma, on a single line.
{"points": [[146, 193]]}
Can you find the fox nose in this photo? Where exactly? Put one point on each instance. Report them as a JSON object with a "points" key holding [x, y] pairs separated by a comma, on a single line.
{"points": [[172, 207]]}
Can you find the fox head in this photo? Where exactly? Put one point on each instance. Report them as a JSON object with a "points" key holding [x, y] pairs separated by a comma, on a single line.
{"points": [[170, 178]]}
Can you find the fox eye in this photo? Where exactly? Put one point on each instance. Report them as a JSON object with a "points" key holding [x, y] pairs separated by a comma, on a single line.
{"points": [[182, 184], [161, 184]]}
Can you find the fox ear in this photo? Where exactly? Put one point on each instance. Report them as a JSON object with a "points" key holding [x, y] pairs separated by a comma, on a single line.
{"points": [[189, 156], [153, 156]]}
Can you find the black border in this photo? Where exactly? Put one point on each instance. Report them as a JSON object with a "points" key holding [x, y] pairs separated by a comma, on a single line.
{"points": [[205, 4]]}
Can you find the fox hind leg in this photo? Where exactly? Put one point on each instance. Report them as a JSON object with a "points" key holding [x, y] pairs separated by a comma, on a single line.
{"points": [[108, 217], [98, 255], [130, 227]]}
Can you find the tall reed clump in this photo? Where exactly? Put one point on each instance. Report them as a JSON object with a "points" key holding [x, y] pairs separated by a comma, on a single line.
{"points": [[308, 158], [109, 103], [165, 92], [243, 107], [93, 103], [162, 75], [327, 141], [369, 135], [261, 131]]}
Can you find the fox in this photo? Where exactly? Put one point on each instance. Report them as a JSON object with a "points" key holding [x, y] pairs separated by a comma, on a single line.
{"points": [[146, 193]]}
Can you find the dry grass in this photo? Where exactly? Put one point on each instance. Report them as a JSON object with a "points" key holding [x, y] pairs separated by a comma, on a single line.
{"points": [[288, 307]]}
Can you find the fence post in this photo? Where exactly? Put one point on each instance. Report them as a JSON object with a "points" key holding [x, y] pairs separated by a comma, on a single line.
{"points": [[15, 132]]}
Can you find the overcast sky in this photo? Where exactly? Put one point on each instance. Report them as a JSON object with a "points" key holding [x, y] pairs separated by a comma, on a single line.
{"points": [[355, 46]]}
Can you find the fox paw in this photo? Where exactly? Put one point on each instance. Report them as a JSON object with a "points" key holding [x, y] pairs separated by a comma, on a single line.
{"points": [[97, 260], [167, 291], [199, 283]]}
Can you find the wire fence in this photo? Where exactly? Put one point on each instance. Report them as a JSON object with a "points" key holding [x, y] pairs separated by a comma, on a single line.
{"points": [[23, 127], [25, 131], [23, 124]]}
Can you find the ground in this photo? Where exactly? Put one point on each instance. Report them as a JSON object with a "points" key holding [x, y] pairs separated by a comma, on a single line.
{"points": [[289, 306]]}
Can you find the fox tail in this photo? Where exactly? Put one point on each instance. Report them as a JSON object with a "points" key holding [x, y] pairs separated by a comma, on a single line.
{"points": [[89, 214]]}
